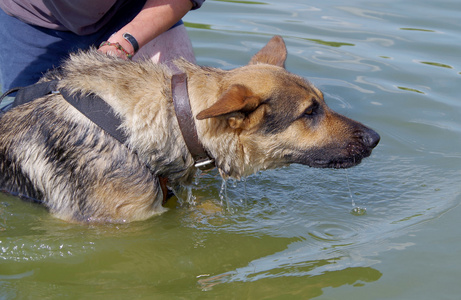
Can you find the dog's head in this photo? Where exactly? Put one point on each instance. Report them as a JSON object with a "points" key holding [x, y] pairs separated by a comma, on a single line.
{"points": [[279, 118]]}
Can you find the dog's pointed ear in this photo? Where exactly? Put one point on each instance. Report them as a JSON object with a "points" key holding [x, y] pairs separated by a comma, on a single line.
{"points": [[274, 53], [237, 98]]}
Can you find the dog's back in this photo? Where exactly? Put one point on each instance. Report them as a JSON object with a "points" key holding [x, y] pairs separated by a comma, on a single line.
{"points": [[50, 153]]}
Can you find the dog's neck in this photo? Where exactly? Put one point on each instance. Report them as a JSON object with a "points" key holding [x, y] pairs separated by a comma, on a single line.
{"points": [[205, 88]]}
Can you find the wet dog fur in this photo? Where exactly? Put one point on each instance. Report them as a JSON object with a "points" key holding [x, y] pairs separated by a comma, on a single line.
{"points": [[251, 118]]}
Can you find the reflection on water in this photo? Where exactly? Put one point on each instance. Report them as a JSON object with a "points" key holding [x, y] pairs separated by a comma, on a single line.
{"points": [[436, 64], [409, 89], [197, 25], [417, 29], [300, 285], [329, 43], [286, 232]]}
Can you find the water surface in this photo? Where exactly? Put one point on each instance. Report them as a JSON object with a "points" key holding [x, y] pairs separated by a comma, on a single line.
{"points": [[291, 233]]}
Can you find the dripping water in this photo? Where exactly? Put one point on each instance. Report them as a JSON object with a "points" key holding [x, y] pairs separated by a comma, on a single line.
{"points": [[184, 195], [356, 210], [245, 196], [224, 192]]}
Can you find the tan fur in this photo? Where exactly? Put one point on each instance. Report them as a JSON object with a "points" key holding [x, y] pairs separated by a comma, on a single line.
{"points": [[248, 119]]}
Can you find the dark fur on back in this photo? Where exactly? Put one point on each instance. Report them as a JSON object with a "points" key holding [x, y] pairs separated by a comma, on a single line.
{"points": [[73, 163]]}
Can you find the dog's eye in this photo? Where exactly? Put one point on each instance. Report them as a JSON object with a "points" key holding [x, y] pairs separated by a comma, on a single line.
{"points": [[310, 111]]}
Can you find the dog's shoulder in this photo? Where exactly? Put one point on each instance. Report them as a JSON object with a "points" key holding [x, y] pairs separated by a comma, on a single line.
{"points": [[94, 72]]}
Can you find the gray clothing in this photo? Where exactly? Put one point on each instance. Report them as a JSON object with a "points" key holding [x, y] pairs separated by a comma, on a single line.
{"points": [[82, 17]]}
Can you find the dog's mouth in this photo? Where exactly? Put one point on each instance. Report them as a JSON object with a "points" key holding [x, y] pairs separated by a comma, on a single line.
{"points": [[336, 164], [339, 155], [333, 158]]}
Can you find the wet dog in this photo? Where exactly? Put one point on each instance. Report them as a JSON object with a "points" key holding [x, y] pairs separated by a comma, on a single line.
{"points": [[251, 118]]}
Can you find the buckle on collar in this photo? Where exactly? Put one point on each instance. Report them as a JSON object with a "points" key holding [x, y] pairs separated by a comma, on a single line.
{"points": [[205, 164]]}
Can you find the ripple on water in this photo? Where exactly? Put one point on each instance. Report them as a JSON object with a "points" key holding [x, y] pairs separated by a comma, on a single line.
{"points": [[332, 231]]}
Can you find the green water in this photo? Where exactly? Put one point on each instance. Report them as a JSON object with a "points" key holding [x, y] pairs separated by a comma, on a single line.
{"points": [[291, 233]]}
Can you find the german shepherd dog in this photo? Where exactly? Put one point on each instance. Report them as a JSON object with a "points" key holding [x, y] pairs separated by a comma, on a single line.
{"points": [[251, 118]]}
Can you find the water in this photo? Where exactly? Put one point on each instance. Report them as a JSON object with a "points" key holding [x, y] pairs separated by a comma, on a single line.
{"points": [[356, 210], [387, 229]]}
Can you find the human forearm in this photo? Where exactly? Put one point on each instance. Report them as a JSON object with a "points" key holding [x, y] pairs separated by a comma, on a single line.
{"points": [[156, 17]]}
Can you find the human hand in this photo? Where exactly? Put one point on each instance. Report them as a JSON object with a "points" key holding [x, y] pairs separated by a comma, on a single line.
{"points": [[123, 49], [114, 49]]}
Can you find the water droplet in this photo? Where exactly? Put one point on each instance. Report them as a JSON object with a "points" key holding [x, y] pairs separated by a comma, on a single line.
{"points": [[358, 211]]}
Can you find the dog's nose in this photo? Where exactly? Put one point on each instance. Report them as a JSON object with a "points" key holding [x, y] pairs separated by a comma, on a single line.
{"points": [[370, 138]]}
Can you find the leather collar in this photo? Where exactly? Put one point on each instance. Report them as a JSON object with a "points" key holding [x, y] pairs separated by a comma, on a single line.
{"points": [[187, 124]]}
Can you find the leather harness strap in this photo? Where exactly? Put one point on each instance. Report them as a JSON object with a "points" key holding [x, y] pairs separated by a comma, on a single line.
{"points": [[90, 105], [98, 111], [187, 124]]}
